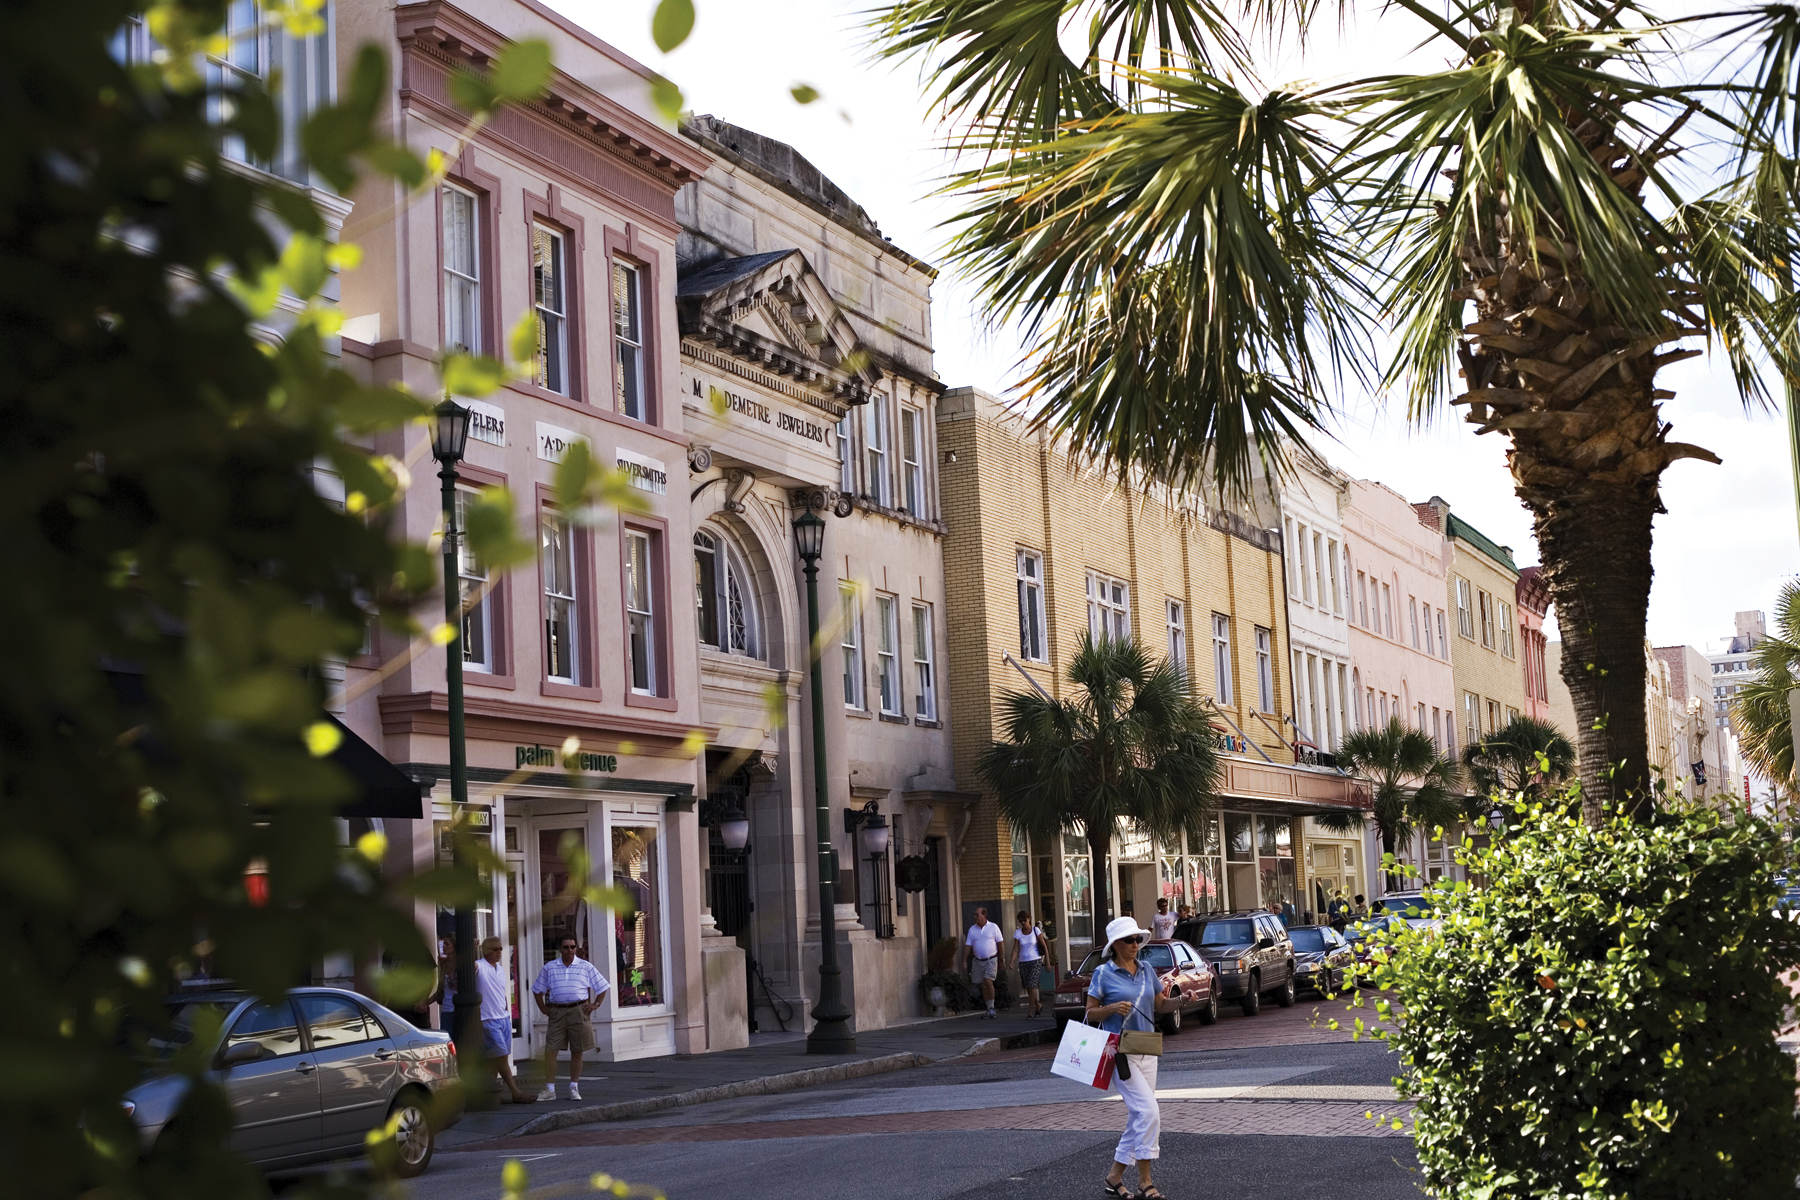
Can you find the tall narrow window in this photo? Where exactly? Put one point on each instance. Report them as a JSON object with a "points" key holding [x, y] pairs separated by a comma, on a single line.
{"points": [[1506, 634], [1493, 716], [1291, 540], [1300, 555], [912, 466], [1471, 718], [1109, 607], [725, 597], [875, 449], [1427, 631], [887, 654], [1387, 609], [1033, 644], [640, 612], [556, 556], [462, 271], [628, 341], [1176, 616], [1362, 600], [1412, 608], [1356, 696], [846, 457], [852, 647], [1221, 644], [1485, 603], [1420, 723], [477, 610], [924, 664], [1337, 590], [1265, 670], [548, 270], [1318, 567], [1443, 636], [244, 61], [1465, 609]]}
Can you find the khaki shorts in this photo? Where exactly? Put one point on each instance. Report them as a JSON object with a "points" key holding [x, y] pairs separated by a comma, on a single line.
{"points": [[569, 1029], [981, 970]]}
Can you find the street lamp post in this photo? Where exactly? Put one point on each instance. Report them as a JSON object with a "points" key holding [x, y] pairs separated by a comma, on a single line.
{"points": [[450, 437], [831, 1032]]}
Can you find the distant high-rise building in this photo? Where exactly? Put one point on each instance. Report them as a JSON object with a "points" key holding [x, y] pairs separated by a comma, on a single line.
{"points": [[1731, 669]]}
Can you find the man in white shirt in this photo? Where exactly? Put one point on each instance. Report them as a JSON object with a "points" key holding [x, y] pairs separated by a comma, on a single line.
{"points": [[982, 947], [1162, 925], [567, 991], [495, 988]]}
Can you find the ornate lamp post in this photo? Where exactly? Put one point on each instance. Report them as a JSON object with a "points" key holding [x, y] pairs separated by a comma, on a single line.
{"points": [[449, 439], [831, 1033]]}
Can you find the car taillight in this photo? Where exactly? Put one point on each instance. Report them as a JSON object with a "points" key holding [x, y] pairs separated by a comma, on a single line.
{"points": [[452, 1049]]}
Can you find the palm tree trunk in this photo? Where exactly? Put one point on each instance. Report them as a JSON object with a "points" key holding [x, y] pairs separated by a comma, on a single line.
{"points": [[1100, 878], [1597, 562]]}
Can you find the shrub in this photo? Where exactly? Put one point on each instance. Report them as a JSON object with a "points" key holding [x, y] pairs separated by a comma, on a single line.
{"points": [[1599, 1020]]}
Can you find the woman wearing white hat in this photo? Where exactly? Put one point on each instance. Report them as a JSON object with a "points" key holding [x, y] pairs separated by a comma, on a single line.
{"points": [[1126, 995]]}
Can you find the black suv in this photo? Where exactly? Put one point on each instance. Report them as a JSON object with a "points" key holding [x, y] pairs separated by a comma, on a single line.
{"points": [[1251, 953]]}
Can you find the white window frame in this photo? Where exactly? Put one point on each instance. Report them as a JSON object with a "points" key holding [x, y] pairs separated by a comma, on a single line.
{"points": [[473, 581], [1484, 606], [1265, 670], [1221, 643], [1443, 635], [1362, 600], [875, 450], [1387, 611], [551, 371], [1427, 627], [1034, 636], [1337, 592], [462, 283], [846, 441], [1318, 568], [912, 460], [1465, 609], [1109, 607], [1412, 608], [892, 688], [1471, 718], [557, 558], [640, 612], [1505, 619], [1175, 618], [1300, 548], [925, 705], [630, 379], [1291, 539], [733, 583], [851, 643], [249, 55]]}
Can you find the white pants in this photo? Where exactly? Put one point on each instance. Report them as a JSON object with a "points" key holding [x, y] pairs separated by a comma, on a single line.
{"points": [[1143, 1116]]}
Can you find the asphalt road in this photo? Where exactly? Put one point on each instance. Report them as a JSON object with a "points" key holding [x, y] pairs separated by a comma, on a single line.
{"points": [[1274, 1112]]}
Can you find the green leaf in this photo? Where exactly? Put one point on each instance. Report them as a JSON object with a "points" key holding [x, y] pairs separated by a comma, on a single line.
{"points": [[575, 475], [303, 266], [804, 93], [522, 342], [472, 374], [370, 409], [667, 99], [395, 160], [472, 92], [671, 23], [493, 531], [521, 72]]}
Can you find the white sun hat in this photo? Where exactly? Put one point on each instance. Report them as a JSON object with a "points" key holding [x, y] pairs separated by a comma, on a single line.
{"points": [[1122, 927]]}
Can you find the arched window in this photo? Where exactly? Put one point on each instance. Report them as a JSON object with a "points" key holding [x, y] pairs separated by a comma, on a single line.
{"points": [[725, 597]]}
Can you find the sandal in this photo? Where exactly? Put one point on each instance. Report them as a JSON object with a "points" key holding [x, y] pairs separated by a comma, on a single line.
{"points": [[1150, 1193], [1115, 1190]]}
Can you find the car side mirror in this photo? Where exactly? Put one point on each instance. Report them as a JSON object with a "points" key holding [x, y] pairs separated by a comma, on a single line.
{"points": [[241, 1053], [1264, 942]]}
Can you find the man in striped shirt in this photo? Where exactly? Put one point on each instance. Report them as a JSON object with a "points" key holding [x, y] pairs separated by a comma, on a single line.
{"points": [[567, 991]]}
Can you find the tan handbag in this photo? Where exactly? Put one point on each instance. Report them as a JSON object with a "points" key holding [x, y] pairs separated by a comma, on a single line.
{"points": [[1140, 1041]]}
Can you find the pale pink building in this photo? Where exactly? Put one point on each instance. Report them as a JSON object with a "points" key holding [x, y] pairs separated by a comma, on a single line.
{"points": [[1399, 647]]}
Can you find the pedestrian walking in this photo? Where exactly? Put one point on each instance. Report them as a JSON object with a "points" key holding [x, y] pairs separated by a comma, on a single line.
{"points": [[982, 948], [495, 988], [567, 991], [1162, 925], [1028, 953], [1125, 995], [1362, 908]]}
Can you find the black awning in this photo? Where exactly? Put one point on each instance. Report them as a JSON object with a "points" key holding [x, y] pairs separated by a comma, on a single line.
{"points": [[382, 789]]}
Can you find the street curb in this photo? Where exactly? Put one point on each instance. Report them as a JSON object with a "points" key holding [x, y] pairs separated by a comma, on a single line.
{"points": [[765, 1085]]}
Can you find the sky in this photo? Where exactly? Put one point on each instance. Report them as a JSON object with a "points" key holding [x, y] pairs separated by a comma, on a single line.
{"points": [[1726, 544]]}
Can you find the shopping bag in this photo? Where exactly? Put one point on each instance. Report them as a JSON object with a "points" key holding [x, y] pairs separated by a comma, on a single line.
{"points": [[1085, 1055]]}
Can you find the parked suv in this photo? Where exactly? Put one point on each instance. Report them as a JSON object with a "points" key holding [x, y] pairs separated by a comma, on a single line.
{"points": [[1250, 951]]}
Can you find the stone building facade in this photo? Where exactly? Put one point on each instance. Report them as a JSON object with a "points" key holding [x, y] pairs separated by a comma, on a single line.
{"points": [[1483, 585], [807, 384], [1041, 550]]}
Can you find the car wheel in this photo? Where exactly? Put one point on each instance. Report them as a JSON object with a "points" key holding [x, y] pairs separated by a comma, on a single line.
{"points": [[1253, 996], [408, 1151], [1285, 997], [1170, 1022], [1210, 1013]]}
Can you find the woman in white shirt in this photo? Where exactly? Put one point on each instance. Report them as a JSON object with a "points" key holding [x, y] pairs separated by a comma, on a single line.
{"points": [[1028, 956]]}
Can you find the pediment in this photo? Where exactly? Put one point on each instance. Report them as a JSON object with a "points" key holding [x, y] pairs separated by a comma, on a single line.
{"points": [[773, 310]]}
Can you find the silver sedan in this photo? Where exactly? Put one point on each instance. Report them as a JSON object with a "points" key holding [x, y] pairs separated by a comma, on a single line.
{"points": [[307, 1077]]}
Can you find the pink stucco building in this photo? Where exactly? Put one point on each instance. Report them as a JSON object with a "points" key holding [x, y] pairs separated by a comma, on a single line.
{"points": [[1399, 648]]}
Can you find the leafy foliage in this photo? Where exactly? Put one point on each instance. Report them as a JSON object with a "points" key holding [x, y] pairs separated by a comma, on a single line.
{"points": [[1411, 786], [1527, 758], [1130, 743], [1599, 1020], [1760, 711]]}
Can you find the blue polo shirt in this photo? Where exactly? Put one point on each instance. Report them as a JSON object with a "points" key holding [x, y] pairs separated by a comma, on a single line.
{"points": [[1111, 984]]}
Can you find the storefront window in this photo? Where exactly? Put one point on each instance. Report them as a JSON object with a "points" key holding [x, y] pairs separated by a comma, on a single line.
{"points": [[638, 934], [1207, 882], [565, 912], [1021, 871], [1077, 889], [1136, 844], [1275, 860], [1239, 841], [1172, 884]]}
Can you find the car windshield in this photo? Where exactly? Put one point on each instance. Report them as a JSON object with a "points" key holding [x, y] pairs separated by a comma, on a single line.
{"points": [[1413, 908], [1160, 957], [1226, 933], [186, 1019], [1308, 941]]}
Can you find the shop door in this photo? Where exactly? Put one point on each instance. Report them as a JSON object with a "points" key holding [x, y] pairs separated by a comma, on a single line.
{"points": [[934, 892], [555, 910]]}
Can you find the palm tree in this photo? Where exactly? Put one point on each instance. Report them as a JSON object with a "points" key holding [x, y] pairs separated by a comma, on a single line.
{"points": [[1760, 711], [1129, 743], [1411, 785], [1575, 198], [1529, 756]]}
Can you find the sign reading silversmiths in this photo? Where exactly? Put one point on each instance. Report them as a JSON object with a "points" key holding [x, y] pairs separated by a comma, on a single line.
{"points": [[646, 474], [544, 756], [553, 442]]}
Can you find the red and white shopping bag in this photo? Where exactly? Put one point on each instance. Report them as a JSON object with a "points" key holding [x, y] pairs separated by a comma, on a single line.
{"points": [[1086, 1055]]}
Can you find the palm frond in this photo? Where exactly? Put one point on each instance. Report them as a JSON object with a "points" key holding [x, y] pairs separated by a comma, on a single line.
{"points": [[1760, 710]]}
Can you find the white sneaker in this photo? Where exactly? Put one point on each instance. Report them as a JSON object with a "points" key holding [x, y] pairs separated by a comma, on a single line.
{"points": [[574, 1090], [549, 1093]]}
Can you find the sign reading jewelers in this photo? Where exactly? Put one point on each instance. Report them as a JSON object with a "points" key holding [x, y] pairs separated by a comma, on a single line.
{"points": [[717, 398], [487, 422]]}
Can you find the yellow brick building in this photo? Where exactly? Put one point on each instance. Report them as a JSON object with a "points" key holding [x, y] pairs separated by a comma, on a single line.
{"points": [[1483, 584], [1040, 550]]}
